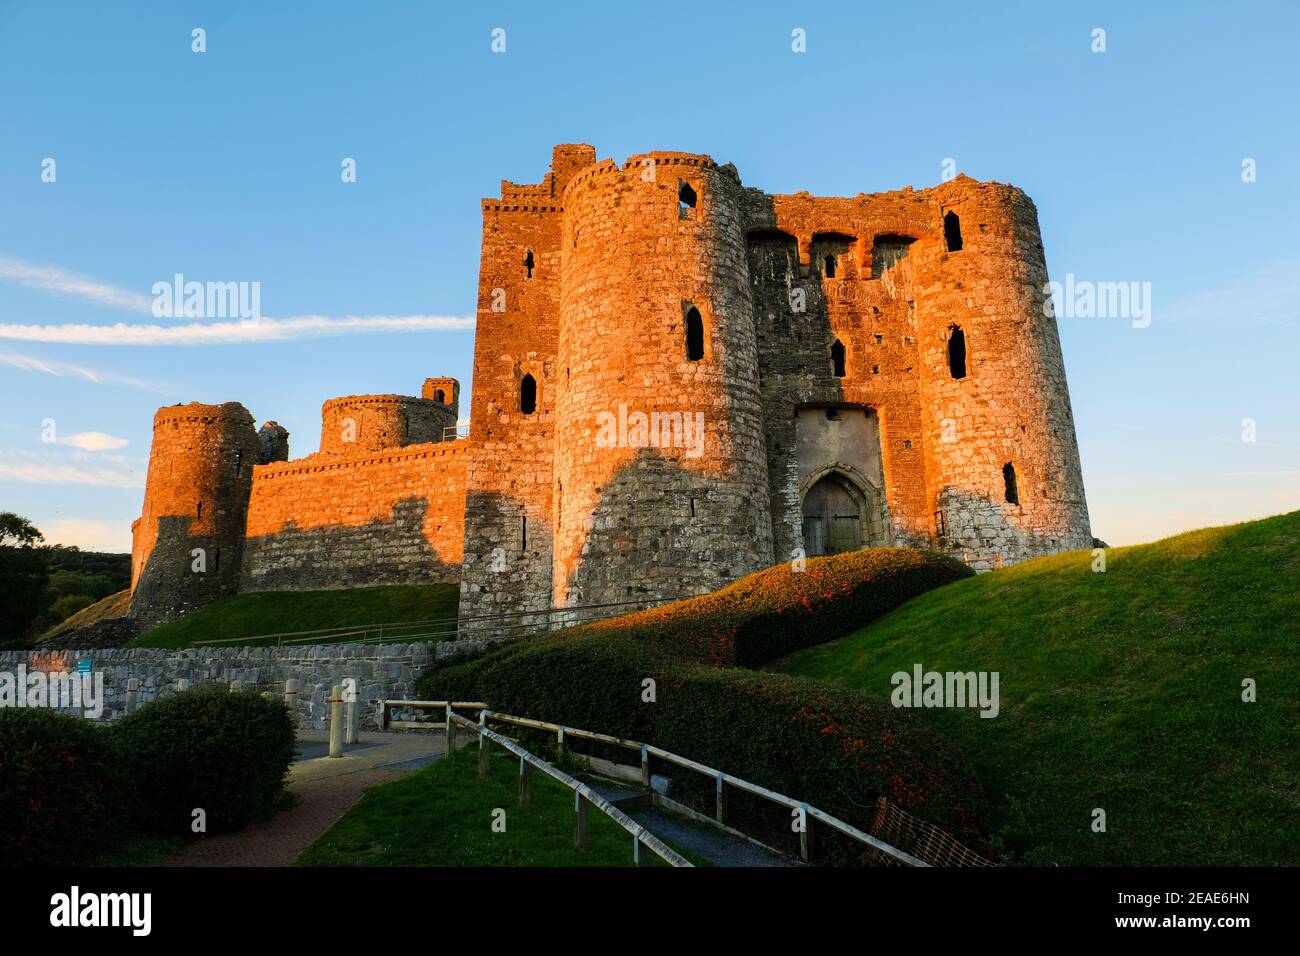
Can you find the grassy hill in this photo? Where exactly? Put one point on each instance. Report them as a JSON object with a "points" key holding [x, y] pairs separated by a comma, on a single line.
{"points": [[1119, 690], [276, 612]]}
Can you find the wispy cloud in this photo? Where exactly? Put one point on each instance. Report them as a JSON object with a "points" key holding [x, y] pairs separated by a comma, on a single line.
{"points": [[48, 469], [225, 333], [29, 363], [1266, 296], [63, 282], [94, 441]]}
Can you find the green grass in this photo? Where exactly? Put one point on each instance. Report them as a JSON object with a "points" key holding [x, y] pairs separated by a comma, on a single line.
{"points": [[147, 850], [272, 612], [1119, 690], [442, 816]]}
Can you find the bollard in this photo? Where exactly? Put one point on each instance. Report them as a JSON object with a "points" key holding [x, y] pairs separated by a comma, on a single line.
{"points": [[484, 755], [132, 694], [291, 695], [559, 745], [336, 722], [352, 722], [722, 800]]}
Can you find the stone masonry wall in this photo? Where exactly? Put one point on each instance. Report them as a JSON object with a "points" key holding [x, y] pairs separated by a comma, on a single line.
{"points": [[382, 671], [338, 521]]}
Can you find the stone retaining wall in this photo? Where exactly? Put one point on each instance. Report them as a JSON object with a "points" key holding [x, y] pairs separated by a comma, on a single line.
{"points": [[380, 670]]}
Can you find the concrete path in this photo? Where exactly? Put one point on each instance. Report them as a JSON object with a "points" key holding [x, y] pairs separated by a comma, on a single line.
{"points": [[325, 789]]}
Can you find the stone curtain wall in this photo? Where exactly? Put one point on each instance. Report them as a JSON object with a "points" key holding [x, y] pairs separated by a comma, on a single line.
{"points": [[338, 521], [382, 671]]}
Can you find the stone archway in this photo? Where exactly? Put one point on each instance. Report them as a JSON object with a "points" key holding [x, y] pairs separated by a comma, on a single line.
{"points": [[839, 514]]}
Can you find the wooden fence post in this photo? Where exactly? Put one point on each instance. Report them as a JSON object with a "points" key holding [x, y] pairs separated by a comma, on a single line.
{"points": [[525, 782], [806, 837], [581, 837], [722, 800], [484, 754], [645, 766], [336, 721], [559, 745], [451, 731]]}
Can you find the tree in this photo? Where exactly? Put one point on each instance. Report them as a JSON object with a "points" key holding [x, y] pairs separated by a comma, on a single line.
{"points": [[17, 532], [23, 579]]}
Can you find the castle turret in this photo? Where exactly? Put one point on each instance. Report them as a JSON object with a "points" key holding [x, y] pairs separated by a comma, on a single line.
{"points": [[188, 542], [375, 422], [1003, 468], [660, 465]]}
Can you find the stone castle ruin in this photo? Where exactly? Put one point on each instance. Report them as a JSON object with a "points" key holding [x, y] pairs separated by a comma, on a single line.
{"points": [[678, 380]]}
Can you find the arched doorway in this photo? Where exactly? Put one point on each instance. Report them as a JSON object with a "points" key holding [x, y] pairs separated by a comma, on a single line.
{"points": [[833, 515]]}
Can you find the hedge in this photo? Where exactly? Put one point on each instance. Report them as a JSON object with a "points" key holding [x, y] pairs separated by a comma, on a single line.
{"points": [[61, 787], [783, 609], [226, 752], [839, 749]]}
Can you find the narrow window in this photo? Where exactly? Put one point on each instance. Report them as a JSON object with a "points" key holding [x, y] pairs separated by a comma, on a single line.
{"points": [[686, 200], [694, 335], [837, 358], [523, 533], [952, 231], [528, 263], [200, 514], [528, 395], [1009, 480], [957, 352], [692, 507], [440, 396], [829, 267]]}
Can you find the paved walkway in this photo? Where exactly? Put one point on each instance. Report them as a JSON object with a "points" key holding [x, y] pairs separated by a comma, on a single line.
{"points": [[325, 789]]}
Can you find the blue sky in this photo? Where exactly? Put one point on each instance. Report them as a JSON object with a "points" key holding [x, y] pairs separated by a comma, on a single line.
{"points": [[225, 166]]}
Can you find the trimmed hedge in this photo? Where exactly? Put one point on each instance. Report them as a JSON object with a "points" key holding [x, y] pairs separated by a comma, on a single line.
{"points": [[837, 748], [780, 610], [61, 785], [226, 752]]}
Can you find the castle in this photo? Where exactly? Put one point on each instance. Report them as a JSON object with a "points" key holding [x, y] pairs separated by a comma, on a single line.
{"points": [[678, 380]]}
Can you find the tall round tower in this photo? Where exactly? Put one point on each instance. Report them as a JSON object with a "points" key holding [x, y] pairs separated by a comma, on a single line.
{"points": [[1002, 465], [189, 540], [660, 464]]}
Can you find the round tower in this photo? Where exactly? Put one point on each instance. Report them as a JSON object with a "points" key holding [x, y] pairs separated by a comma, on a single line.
{"points": [[374, 422], [660, 465], [189, 540], [1003, 469]]}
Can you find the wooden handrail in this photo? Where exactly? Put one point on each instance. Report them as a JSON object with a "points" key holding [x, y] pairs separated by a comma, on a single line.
{"points": [[640, 835], [722, 779]]}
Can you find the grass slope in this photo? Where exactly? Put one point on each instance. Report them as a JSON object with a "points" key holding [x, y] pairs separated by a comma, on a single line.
{"points": [[442, 816], [1120, 690], [273, 612]]}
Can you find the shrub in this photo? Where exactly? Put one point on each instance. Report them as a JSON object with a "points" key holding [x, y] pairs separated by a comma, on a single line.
{"points": [[225, 752], [60, 788], [778, 611]]}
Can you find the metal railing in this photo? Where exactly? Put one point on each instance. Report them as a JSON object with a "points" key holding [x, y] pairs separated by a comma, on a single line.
{"points": [[583, 796], [806, 813]]}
